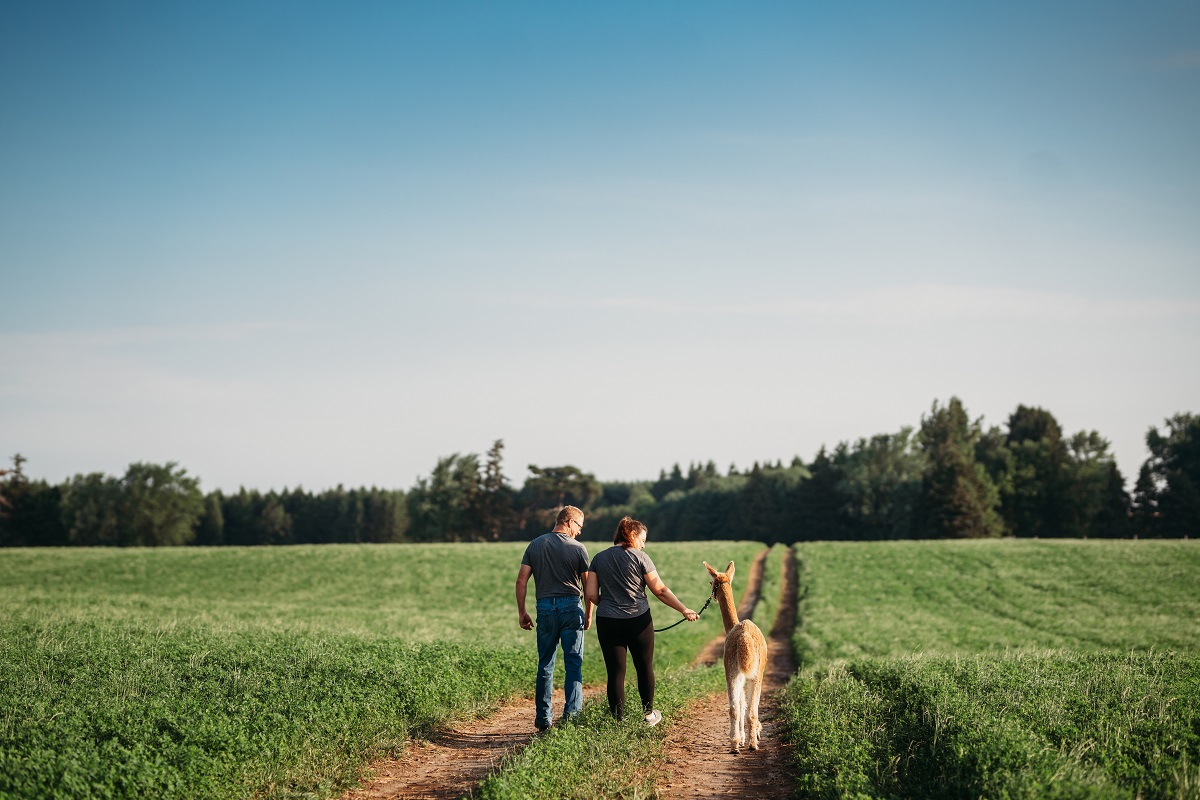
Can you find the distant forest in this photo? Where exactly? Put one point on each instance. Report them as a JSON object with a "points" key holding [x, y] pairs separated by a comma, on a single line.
{"points": [[949, 477]]}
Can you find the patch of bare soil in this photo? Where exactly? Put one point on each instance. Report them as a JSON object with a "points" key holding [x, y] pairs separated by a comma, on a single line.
{"points": [[457, 759], [700, 761]]}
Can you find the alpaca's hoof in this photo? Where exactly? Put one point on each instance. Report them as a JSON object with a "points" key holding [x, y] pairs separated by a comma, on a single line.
{"points": [[754, 746]]}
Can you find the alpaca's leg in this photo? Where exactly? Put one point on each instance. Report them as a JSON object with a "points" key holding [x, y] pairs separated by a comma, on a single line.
{"points": [[736, 688], [754, 690]]}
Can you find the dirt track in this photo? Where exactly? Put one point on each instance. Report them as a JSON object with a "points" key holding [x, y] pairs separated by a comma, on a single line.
{"points": [[699, 763], [454, 763]]}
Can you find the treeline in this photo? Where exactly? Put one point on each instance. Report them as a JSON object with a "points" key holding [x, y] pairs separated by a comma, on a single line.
{"points": [[949, 477]]}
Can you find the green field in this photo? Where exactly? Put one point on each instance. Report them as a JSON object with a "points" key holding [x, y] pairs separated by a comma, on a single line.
{"points": [[1016, 669], [272, 672], [998, 669]]}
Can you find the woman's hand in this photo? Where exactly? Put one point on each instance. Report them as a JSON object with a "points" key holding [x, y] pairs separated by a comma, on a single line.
{"points": [[689, 615]]}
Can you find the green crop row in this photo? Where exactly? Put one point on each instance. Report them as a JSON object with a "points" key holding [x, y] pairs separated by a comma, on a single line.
{"points": [[1008, 669], [1051, 724]]}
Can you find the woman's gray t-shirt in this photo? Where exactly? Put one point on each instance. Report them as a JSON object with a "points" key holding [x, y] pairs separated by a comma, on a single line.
{"points": [[621, 574]]}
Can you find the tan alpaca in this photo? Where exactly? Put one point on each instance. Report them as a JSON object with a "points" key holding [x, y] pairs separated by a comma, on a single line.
{"points": [[745, 663]]}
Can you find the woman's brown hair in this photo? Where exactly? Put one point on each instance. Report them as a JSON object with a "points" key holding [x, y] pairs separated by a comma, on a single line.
{"points": [[627, 531]]}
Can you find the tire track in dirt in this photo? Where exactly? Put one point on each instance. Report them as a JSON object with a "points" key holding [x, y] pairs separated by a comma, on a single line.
{"points": [[699, 761], [456, 759]]}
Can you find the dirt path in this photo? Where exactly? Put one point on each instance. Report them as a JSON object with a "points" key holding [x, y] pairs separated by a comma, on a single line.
{"points": [[457, 759], [700, 763]]}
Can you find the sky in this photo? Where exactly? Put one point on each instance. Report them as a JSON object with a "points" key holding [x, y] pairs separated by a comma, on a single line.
{"points": [[309, 244]]}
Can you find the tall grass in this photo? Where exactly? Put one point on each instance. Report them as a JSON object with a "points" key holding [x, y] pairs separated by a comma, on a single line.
{"points": [[927, 674], [1022, 725]]}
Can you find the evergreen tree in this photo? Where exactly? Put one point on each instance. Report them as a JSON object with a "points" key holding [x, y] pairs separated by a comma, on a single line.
{"points": [[991, 450], [1113, 518], [1037, 498], [882, 485], [958, 498], [494, 502], [1145, 518], [30, 511], [211, 529], [12, 484], [819, 503], [274, 524], [239, 512], [1174, 465], [91, 510], [440, 507], [1096, 503]]}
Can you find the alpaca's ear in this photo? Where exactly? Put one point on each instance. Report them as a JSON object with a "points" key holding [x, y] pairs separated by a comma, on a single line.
{"points": [[711, 571], [729, 571]]}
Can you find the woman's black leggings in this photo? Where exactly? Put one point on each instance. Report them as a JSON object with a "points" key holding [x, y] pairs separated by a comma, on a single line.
{"points": [[637, 637]]}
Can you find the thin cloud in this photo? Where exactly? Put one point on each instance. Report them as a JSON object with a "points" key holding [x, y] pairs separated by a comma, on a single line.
{"points": [[922, 303], [144, 334]]}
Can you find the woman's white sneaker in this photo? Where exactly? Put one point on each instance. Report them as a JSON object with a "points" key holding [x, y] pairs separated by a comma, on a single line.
{"points": [[653, 718]]}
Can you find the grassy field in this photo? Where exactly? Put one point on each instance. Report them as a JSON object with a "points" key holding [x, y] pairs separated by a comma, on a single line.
{"points": [[267, 672], [1015, 669]]}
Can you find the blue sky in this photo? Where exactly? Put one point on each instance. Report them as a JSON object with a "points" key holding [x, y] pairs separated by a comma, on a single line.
{"points": [[312, 243]]}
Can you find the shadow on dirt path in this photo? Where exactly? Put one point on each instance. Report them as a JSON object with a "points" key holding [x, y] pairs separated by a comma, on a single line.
{"points": [[700, 763]]}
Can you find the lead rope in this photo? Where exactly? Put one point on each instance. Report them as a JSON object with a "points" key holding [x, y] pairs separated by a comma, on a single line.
{"points": [[698, 613]]}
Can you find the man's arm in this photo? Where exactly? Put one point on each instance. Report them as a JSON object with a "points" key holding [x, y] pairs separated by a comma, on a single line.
{"points": [[523, 618], [591, 596]]}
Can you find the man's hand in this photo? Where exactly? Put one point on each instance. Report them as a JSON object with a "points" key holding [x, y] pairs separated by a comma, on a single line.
{"points": [[526, 621], [587, 622], [690, 616]]}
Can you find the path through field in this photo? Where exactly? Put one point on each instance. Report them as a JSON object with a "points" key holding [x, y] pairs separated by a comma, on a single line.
{"points": [[700, 763], [457, 759]]}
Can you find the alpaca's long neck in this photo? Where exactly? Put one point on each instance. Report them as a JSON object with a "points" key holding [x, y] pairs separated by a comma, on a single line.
{"points": [[729, 613]]}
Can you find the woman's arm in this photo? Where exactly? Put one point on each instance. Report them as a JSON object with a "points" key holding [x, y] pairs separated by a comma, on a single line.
{"points": [[660, 590], [591, 588]]}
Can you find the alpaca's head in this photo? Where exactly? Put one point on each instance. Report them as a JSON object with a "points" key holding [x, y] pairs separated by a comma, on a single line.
{"points": [[720, 577]]}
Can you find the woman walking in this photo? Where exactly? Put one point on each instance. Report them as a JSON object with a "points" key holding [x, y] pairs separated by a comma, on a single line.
{"points": [[617, 585]]}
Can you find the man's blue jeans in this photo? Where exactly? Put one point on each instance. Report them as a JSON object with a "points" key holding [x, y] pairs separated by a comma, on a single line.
{"points": [[559, 619]]}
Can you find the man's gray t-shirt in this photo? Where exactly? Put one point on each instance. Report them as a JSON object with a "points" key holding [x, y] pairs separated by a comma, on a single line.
{"points": [[558, 564], [621, 574]]}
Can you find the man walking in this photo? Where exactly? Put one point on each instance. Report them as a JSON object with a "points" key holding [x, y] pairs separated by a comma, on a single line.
{"points": [[559, 566]]}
